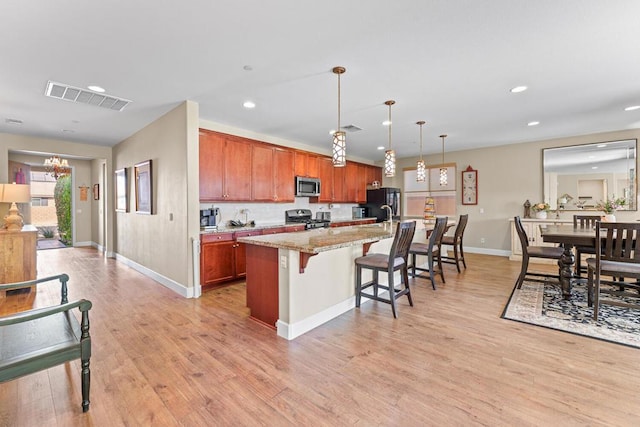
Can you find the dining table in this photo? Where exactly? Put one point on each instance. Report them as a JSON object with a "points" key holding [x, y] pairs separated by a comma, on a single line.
{"points": [[568, 237]]}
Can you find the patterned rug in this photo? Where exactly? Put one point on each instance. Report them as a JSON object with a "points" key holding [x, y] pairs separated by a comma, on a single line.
{"points": [[542, 304]]}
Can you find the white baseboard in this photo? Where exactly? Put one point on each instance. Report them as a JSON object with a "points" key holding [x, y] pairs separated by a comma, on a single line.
{"points": [[487, 251], [165, 281], [81, 244]]}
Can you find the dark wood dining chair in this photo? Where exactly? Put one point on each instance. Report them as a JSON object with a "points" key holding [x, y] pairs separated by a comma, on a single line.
{"points": [[388, 263], [456, 242], [584, 221], [528, 251], [431, 250], [616, 257]]}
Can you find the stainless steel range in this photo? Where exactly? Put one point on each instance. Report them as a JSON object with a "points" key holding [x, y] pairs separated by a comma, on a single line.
{"points": [[303, 216]]}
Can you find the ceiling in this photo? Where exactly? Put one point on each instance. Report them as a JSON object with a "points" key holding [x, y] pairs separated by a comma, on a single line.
{"points": [[451, 63]]}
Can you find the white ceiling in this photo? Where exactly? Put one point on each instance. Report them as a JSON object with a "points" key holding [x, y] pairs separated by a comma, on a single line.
{"points": [[450, 63]]}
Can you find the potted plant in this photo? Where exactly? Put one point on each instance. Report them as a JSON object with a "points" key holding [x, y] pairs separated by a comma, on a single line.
{"points": [[610, 206], [541, 210]]}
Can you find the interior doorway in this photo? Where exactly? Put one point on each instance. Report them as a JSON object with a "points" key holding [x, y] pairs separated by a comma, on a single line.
{"points": [[46, 213]]}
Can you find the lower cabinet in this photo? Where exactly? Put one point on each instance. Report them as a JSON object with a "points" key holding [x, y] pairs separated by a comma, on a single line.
{"points": [[347, 223], [224, 259]]}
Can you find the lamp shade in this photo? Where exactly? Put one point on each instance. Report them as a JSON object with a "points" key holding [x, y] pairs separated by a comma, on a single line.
{"points": [[16, 193]]}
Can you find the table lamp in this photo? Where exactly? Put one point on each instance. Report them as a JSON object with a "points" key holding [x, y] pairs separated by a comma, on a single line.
{"points": [[14, 193]]}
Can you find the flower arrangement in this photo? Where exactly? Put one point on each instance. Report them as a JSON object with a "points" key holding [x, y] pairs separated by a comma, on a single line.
{"points": [[541, 207], [609, 206]]}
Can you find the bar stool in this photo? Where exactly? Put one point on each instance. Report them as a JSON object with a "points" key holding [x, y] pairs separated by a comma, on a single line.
{"points": [[456, 242], [394, 261], [431, 250]]}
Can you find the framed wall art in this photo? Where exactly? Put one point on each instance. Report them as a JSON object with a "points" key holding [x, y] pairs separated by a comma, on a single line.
{"points": [[144, 187], [469, 186], [121, 186]]}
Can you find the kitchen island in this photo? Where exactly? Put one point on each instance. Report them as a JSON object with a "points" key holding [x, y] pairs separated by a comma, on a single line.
{"points": [[298, 281]]}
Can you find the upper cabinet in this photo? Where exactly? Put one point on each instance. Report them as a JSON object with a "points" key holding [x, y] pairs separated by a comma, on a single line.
{"points": [[224, 161], [272, 173], [239, 169]]}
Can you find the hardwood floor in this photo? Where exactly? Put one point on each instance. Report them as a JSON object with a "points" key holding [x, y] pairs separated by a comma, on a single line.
{"points": [[160, 359]]}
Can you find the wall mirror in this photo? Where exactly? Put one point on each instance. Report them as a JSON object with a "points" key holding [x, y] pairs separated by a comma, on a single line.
{"points": [[579, 176]]}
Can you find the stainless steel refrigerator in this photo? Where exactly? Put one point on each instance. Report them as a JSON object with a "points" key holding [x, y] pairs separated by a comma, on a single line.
{"points": [[380, 197]]}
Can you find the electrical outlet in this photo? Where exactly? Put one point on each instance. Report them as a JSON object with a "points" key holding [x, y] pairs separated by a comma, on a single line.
{"points": [[283, 261], [482, 240]]}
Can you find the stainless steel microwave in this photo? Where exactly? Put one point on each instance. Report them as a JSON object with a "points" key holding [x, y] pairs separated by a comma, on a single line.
{"points": [[307, 187]]}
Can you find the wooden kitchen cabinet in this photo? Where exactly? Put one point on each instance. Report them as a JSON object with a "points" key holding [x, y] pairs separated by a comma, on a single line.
{"points": [[306, 164], [325, 173], [224, 162], [272, 174], [352, 183], [222, 258]]}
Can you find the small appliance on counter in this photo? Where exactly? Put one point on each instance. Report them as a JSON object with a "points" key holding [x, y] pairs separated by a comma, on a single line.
{"points": [[323, 216], [303, 216], [209, 218], [358, 212]]}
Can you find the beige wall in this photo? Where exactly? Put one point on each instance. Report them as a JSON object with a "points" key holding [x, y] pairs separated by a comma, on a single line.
{"points": [[507, 176], [161, 242]]}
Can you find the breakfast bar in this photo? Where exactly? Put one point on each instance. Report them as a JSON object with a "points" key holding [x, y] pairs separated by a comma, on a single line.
{"points": [[298, 281]]}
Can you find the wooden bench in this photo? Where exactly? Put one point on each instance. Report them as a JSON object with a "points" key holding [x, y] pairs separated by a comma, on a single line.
{"points": [[38, 339]]}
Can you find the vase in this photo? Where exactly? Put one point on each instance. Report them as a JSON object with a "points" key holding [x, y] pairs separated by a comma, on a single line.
{"points": [[541, 214], [609, 218]]}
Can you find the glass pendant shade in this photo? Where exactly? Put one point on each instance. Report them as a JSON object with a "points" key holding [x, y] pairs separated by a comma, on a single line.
{"points": [[339, 149], [443, 168], [390, 154], [421, 171], [389, 163], [443, 177], [339, 146]]}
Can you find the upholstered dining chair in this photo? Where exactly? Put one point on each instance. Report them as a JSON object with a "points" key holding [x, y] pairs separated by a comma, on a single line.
{"points": [[584, 221], [456, 242], [617, 256], [528, 251], [431, 250], [388, 263]]}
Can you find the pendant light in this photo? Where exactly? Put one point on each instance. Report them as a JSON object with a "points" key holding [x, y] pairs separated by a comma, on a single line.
{"points": [[443, 168], [339, 137], [421, 169], [389, 155]]}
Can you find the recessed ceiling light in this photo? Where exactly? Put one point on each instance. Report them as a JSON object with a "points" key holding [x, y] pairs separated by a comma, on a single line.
{"points": [[518, 89], [633, 107], [96, 88], [594, 167], [534, 123], [249, 104], [601, 145], [381, 148], [386, 123]]}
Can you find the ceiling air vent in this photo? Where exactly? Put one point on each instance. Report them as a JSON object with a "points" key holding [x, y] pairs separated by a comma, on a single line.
{"points": [[84, 96], [351, 128]]}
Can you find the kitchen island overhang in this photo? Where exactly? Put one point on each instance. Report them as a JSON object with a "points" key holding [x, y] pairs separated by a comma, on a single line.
{"points": [[298, 281]]}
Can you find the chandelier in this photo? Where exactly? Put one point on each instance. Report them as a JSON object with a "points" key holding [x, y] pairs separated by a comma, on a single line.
{"points": [[389, 154], [421, 171], [57, 167], [339, 136]]}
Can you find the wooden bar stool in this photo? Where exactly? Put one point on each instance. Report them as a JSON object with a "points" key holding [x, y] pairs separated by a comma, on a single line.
{"points": [[394, 261]]}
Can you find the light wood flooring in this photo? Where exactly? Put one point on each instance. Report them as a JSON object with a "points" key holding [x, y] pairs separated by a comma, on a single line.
{"points": [[163, 360]]}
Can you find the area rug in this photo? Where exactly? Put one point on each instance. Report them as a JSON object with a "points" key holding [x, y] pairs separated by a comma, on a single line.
{"points": [[542, 304]]}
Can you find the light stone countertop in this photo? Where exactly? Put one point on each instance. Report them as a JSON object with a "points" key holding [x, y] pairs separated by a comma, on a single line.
{"points": [[266, 226], [324, 239]]}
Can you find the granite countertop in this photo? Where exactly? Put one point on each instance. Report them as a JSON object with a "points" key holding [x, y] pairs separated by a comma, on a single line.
{"points": [[324, 239], [265, 226]]}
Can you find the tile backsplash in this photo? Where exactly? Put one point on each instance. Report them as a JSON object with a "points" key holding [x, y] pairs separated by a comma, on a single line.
{"points": [[270, 213]]}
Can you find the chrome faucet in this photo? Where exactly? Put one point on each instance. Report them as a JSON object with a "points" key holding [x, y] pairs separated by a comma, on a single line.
{"points": [[390, 214]]}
